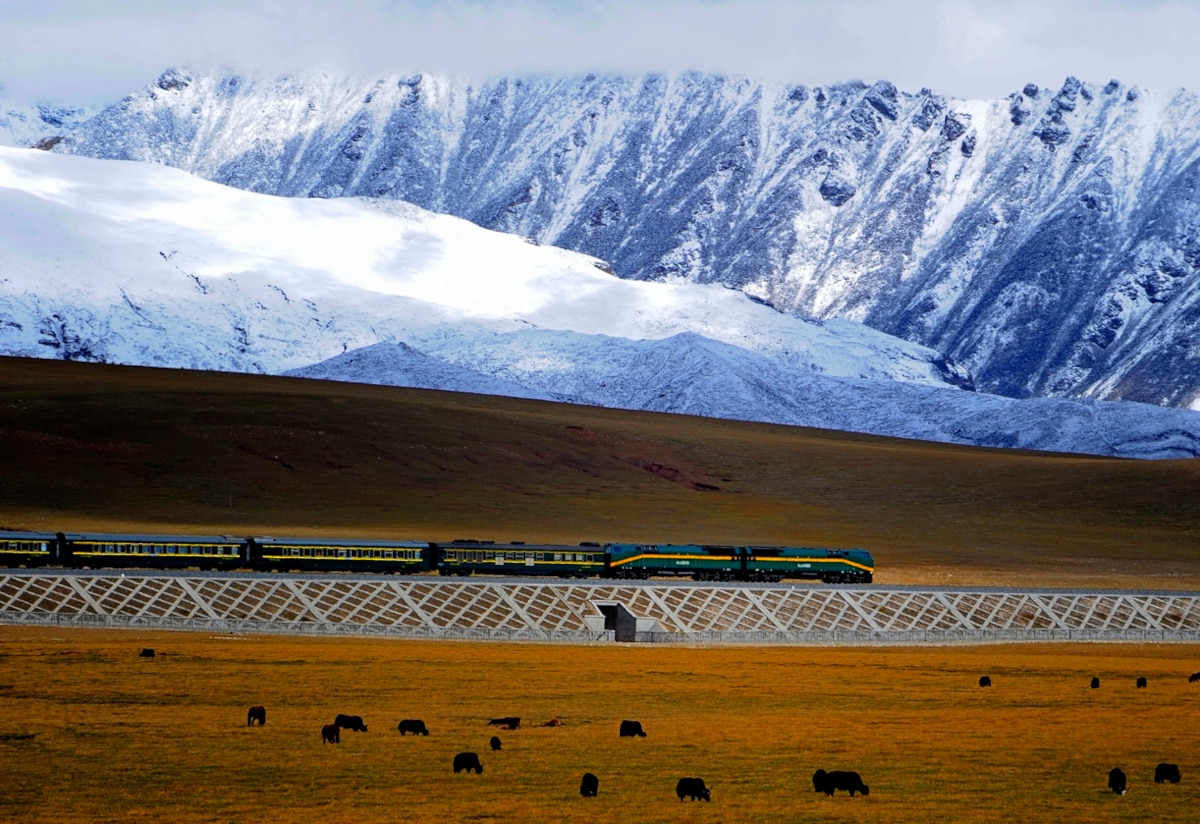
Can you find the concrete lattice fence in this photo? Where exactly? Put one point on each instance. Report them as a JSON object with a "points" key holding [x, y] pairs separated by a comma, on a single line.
{"points": [[424, 607]]}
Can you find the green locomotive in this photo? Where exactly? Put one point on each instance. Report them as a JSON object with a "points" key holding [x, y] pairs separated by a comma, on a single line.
{"points": [[746, 563]]}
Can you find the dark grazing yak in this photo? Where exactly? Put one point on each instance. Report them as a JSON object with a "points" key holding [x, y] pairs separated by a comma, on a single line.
{"points": [[412, 725], [630, 729], [828, 782], [1166, 772], [693, 788], [350, 722], [468, 761], [589, 787]]}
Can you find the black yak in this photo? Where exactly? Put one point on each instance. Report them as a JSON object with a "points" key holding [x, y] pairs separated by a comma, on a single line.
{"points": [[467, 761], [693, 788]]}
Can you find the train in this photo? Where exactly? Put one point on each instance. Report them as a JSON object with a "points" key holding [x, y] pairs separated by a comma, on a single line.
{"points": [[463, 557]]}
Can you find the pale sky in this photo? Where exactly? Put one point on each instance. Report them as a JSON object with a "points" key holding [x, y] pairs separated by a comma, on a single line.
{"points": [[80, 51]]}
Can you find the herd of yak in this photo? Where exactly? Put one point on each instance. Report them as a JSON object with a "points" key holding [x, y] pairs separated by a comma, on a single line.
{"points": [[1117, 780], [589, 786], [687, 787]]}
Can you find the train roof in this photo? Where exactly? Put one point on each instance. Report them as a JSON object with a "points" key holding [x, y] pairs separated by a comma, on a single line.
{"points": [[21, 535], [144, 538], [517, 546], [357, 543]]}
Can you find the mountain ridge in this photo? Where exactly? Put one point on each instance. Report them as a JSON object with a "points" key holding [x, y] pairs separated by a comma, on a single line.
{"points": [[1045, 240]]}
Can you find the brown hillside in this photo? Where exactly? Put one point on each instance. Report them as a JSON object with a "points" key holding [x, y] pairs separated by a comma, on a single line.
{"points": [[86, 446]]}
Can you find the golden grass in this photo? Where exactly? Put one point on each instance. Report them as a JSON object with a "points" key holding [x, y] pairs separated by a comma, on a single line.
{"points": [[91, 732], [94, 447]]}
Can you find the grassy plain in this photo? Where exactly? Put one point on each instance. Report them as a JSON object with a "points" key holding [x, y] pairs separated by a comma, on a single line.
{"points": [[96, 447], [91, 732]]}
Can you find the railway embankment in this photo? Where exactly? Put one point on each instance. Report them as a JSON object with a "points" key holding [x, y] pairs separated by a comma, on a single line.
{"points": [[591, 612]]}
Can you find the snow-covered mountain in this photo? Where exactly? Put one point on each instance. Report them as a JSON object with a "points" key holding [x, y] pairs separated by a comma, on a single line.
{"points": [[138, 263], [142, 264], [1047, 240]]}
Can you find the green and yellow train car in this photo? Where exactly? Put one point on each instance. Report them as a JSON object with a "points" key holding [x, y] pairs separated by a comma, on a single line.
{"points": [[490, 558], [152, 551], [328, 555], [28, 549]]}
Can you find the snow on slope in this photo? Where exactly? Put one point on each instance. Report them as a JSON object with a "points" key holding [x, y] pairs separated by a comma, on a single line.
{"points": [[398, 364], [1045, 240], [119, 249]]}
